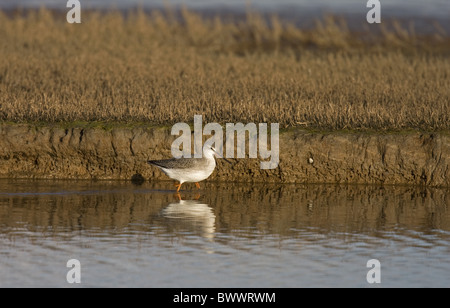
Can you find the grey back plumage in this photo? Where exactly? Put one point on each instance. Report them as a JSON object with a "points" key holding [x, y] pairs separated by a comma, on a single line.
{"points": [[179, 163]]}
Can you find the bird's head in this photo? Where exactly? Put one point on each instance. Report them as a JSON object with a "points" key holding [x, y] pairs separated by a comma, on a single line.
{"points": [[209, 151]]}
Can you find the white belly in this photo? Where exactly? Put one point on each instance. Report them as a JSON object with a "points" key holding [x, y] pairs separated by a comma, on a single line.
{"points": [[189, 175]]}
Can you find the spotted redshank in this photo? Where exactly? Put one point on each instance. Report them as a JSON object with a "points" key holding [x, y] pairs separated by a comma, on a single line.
{"points": [[189, 169]]}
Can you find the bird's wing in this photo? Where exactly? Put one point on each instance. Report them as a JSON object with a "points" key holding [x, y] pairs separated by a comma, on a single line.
{"points": [[176, 163]]}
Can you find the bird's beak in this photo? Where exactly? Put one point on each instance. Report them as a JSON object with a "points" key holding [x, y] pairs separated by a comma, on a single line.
{"points": [[221, 156]]}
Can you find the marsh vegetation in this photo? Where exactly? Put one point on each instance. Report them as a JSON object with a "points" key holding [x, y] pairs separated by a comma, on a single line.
{"points": [[161, 69]]}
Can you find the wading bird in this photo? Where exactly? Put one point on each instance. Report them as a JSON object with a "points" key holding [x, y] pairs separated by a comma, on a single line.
{"points": [[191, 170]]}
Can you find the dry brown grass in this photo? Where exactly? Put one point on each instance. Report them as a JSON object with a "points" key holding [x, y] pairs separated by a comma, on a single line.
{"points": [[162, 70]]}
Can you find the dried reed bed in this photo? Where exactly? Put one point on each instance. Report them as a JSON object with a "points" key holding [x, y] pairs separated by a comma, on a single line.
{"points": [[160, 69]]}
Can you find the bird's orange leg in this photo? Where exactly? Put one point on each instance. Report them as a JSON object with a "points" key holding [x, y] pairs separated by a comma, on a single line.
{"points": [[177, 196], [178, 186], [198, 185]]}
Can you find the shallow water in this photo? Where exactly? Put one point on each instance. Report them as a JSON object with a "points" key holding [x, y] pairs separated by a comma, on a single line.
{"points": [[225, 235]]}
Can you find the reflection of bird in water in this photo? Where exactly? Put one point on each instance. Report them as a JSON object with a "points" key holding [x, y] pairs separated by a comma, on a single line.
{"points": [[193, 216], [189, 169]]}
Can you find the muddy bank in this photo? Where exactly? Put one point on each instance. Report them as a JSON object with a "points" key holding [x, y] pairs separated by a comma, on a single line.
{"points": [[30, 151]]}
